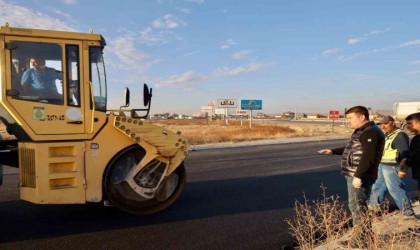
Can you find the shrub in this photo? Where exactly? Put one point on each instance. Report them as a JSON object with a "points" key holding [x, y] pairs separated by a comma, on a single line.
{"points": [[321, 220], [325, 222]]}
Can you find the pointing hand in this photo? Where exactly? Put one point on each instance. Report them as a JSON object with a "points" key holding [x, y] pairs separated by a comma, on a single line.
{"points": [[325, 151]]}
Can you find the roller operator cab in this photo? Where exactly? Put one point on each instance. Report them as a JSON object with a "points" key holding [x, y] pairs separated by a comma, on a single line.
{"points": [[69, 147]]}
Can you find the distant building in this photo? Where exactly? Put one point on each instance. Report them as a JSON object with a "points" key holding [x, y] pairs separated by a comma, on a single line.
{"points": [[316, 116], [196, 115], [302, 115], [158, 117], [261, 115], [183, 117], [285, 115]]}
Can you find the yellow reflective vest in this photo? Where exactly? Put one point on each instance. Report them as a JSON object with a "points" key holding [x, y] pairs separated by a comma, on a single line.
{"points": [[390, 154]]}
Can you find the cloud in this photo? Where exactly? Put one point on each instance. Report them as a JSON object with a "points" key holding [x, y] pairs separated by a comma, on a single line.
{"points": [[375, 32], [416, 72], [332, 51], [353, 41], [131, 59], [252, 67], [415, 62], [191, 53], [229, 43], [373, 51], [160, 31], [364, 77], [62, 14], [241, 54], [410, 43], [184, 10], [327, 81], [186, 80], [70, 2], [195, 1], [24, 17], [168, 22], [149, 36], [383, 49]]}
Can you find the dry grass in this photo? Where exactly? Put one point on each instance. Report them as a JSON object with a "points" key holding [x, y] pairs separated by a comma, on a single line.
{"points": [[205, 131], [325, 222]]}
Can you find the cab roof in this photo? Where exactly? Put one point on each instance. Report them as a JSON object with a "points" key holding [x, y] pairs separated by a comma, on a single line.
{"points": [[26, 32]]}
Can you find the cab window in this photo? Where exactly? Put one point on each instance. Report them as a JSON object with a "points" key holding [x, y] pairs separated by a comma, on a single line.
{"points": [[73, 75], [97, 78], [37, 71]]}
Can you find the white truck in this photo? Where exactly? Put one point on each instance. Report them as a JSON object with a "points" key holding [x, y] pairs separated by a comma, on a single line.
{"points": [[402, 109]]}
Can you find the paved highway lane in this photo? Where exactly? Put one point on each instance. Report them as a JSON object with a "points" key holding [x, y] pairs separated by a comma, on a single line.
{"points": [[235, 198]]}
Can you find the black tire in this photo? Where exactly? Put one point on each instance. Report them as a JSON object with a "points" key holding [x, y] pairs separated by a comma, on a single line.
{"points": [[1, 175], [122, 196]]}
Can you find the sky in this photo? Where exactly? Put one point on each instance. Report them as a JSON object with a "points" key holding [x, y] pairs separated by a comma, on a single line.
{"points": [[300, 56]]}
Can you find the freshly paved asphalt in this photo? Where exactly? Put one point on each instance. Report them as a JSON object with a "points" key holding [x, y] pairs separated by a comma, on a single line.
{"points": [[235, 198]]}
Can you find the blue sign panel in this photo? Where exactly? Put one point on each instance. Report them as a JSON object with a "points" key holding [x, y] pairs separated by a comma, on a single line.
{"points": [[251, 104]]}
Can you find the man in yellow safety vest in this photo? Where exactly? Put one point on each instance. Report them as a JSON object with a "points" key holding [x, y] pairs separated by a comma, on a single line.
{"points": [[396, 148]]}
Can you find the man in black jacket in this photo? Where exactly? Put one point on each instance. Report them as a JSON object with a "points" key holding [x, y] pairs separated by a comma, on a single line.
{"points": [[413, 161], [360, 160]]}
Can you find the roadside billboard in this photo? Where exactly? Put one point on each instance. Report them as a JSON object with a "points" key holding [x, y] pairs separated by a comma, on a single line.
{"points": [[334, 114], [251, 104], [207, 109], [242, 112], [220, 111], [227, 103]]}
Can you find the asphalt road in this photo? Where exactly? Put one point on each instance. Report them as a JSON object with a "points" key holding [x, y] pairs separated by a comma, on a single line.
{"points": [[235, 198]]}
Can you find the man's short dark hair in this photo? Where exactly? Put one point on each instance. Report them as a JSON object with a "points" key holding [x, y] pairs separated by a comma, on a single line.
{"points": [[415, 116], [360, 110]]}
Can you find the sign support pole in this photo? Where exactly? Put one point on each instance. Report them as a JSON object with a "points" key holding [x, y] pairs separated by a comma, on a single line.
{"points": [[250, 119]]}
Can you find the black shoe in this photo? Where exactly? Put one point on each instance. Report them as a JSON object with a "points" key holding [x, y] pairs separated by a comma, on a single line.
{"points": [[349, 244]]}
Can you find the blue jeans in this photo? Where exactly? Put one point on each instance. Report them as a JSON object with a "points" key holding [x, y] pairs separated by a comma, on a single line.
{"points": [[358, 197], [388, 180]]}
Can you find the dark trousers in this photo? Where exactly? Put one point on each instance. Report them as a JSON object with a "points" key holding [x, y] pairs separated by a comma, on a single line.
{"points": [[358, 197]]}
